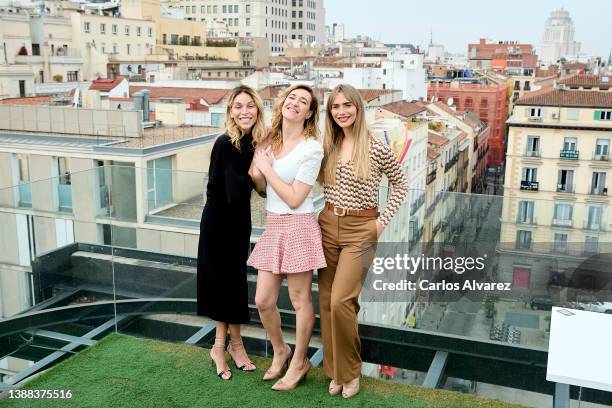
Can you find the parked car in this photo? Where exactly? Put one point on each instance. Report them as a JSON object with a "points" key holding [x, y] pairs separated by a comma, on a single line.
{"points": [[541, 304], [594, 306]]}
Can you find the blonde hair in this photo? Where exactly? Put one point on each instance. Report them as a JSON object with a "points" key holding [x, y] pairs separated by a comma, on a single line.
{"points": [[235, 132], [332, 138], [311, 130]]}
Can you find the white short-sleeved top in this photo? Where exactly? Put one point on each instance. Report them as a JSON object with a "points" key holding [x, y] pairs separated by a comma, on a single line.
{"points": [[302, 163]]}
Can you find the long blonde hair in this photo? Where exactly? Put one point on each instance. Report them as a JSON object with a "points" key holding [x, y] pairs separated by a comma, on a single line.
{"points": [[311, 129], [332, 138], [235, 132]]}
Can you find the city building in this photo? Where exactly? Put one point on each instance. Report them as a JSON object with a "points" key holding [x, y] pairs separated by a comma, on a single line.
{"points": [[279, 21], [506, 57], [558, 39], [488, 101], [556, 203]]}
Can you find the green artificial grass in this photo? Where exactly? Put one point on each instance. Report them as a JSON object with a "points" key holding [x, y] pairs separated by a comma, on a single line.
{"points": [[125, 371]]}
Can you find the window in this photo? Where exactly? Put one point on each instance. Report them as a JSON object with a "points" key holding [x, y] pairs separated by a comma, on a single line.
{"points": [[569, 144], [215, 9], [563, 214], [235, 8], [86, 26], [208, 10], [530, 174], [164, 38], [594, 217], [535, 112], [602, 149], [102, 28], [603, 115], [72, 76], [247, 8], [127, 30], [114, 29], [193, 9], [127, 49], [525, 212], [572, 114], [202, 9], [560, 243], [114, 48], [565, 181], [598, 185], [523, 239], [300, 25], [231, 22], [300, 14], [159, 182], [138, 31], [236, 22], [224, 8], [174, 39], [247, 21], [103, 47], [533, 146]]}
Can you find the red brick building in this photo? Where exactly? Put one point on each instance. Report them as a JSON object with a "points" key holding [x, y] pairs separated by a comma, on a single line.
{"points": [[487, 101], [506, 57]]}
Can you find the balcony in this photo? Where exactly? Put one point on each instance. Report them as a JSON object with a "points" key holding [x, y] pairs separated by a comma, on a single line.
{"points": [[430, 177], [526, 220], [532, 153], [593, 226], [534, 118], [451, 162], [601, 157], [132, 272], [598, 190], [416, 204], [530, 185], [562, 222], [569, 154], [566, 188]]}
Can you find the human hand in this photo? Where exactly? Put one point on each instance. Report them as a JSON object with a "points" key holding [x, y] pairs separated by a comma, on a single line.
{"points": [[379, 229], [262, 159]]}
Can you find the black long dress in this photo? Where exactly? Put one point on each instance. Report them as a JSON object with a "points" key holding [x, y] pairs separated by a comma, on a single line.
{"points": [[225, 230]]}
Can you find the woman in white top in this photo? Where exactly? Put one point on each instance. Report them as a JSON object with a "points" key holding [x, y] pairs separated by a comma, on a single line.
{"points": [[291, 244]]}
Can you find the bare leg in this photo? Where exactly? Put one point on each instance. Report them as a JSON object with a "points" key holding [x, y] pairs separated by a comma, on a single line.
{"points": [[237, 351], [266, 295], [300, 293], [217, 352]]}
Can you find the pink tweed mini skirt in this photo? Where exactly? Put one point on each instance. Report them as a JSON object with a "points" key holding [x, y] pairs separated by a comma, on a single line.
{"points": [[291, 243]]}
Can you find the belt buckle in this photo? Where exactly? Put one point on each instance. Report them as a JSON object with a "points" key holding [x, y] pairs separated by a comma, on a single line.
{"points": [[341, 213]]}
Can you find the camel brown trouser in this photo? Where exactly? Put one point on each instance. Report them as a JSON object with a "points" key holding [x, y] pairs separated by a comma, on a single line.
{"points": [[349, 243]]}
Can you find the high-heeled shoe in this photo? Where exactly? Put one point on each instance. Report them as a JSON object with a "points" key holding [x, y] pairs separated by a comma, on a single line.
{"points": [[281, 385], [273, 375], [349, 391], [243, 367], [223, 374], [334, 389]]}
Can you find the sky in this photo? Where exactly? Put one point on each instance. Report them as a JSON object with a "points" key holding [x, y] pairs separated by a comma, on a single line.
{"points": [[454, 26]]}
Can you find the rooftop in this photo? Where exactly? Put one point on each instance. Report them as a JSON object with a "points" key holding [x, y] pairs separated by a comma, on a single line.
{"points": [[404, 108], [105, 84], [600, 81], [567, 98], [210, 95], [436, 139]]}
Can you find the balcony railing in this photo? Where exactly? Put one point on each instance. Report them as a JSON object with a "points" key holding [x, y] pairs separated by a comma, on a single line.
{"points": [[530, 185], [593, 226], [569, 154], [562, 222], [416, 204], [598, 190], [430, 177], [451, 162], [526, 220]]}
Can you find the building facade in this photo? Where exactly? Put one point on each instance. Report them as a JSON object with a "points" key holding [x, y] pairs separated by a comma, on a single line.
{"points": [[558, 39]]}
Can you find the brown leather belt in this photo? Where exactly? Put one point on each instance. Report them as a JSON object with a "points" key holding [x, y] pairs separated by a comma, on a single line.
{"points": [[343, 212]]}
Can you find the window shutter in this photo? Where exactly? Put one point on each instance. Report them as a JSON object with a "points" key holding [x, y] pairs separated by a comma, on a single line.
{"points": [[596, 116]]}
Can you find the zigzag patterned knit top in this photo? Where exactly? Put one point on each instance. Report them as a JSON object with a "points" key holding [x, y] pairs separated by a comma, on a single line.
{"points": [[355, 194]]}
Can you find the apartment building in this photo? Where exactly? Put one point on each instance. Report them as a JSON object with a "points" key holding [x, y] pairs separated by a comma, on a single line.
{"points": [[279, 21], [556, 202], [93, 175]]}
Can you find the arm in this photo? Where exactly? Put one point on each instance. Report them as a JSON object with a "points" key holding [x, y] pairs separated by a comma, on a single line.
{"points": [[292, 194], [258, 179], [399, 187]]}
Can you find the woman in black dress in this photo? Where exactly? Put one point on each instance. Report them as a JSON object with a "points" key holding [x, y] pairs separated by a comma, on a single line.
{"points": [[225, 229]]}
